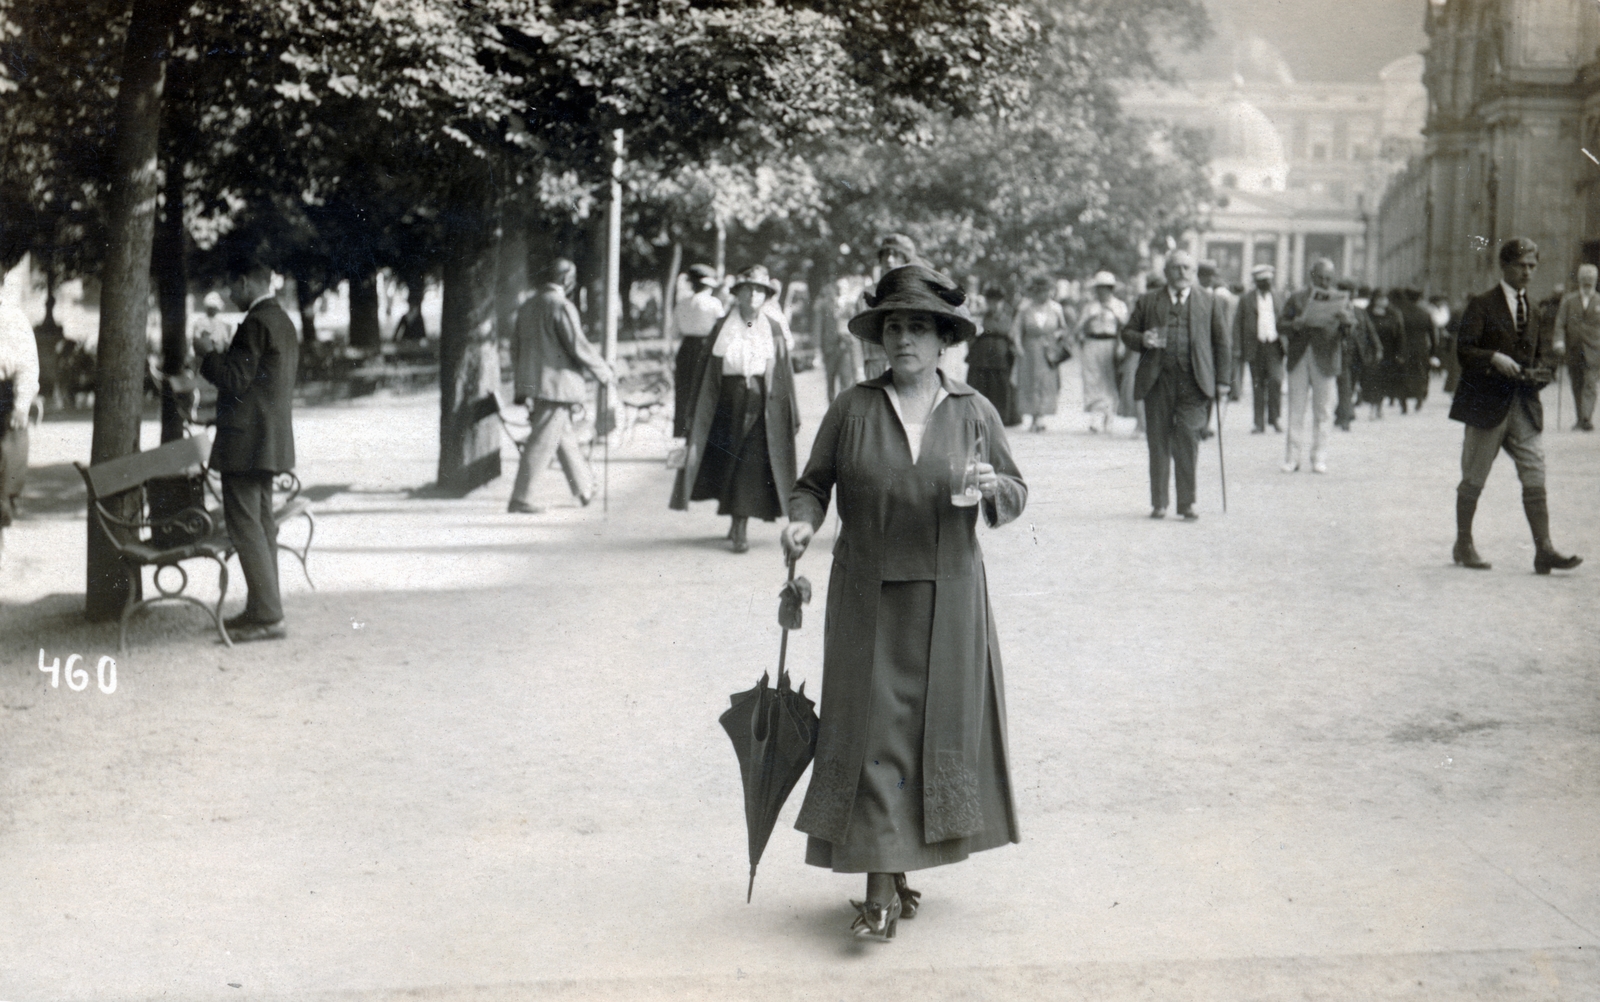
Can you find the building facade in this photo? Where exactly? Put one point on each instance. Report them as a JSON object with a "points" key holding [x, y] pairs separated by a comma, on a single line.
{"points": [[1298, 167], [1512, 146]]}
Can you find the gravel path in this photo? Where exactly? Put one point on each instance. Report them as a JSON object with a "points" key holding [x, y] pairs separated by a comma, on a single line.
{"points": [[1286, 752]]}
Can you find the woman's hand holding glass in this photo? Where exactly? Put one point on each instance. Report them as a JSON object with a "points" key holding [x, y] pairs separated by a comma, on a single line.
{"points": [[796, 536], [988, 480]]}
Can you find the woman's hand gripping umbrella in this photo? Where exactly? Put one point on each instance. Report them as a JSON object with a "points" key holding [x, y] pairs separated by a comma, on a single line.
{"points": [[774, 733]]}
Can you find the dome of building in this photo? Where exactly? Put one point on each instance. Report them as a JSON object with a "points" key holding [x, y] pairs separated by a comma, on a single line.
{"points": [[1246, 150]]}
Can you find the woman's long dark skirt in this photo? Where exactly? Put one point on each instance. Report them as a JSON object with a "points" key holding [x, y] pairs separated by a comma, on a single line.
{"points": [[691, 353], [736, 470], [886, 832], [995, 384]]}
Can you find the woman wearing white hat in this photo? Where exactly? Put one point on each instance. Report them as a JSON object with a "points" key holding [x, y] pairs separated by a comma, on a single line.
{"points": [[1096, 334]]}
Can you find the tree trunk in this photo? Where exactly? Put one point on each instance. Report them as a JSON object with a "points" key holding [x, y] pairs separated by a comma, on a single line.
{"points": [[511, 274], [50, 286], [306, 294], [469, 355], [172, 282], [365, 330], [125, 294], [722, 250], [669, 294]]}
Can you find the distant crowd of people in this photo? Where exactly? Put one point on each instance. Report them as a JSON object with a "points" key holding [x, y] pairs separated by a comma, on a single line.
{"points": [[1163, 349]]}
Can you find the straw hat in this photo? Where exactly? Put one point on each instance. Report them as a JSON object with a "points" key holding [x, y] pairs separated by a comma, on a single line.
{"points": [[1103, 278], [918, 288], [757, 276]]}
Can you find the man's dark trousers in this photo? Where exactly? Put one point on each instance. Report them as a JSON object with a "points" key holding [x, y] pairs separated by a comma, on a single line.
{"points": [[247, 506], [1175, 414], [1345, 412], [1266, 385]]}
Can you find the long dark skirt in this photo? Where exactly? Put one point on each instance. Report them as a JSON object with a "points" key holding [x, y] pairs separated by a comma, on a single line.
{"points": [[886, 831], [691, 350], [996, 385], [736, 470]]}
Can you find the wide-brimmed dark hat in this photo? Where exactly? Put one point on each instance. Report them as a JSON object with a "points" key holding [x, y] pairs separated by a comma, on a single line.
{"points": [[913, 287], [756, 275]]}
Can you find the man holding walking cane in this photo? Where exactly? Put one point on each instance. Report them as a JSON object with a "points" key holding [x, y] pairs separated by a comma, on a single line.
{"points": [[1187, 362]]}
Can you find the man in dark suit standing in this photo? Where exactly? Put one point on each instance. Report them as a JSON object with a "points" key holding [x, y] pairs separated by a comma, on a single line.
{"points": [[1505, 358], [255, 438], [1186, 364], [1256, 343]]}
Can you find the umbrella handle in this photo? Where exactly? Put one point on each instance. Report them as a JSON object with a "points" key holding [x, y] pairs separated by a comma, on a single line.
{"points": [[783, 645]]}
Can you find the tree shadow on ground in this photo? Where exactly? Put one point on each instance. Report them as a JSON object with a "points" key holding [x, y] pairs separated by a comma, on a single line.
{"points": [[51, 492], [322, 492], [55, 622]]}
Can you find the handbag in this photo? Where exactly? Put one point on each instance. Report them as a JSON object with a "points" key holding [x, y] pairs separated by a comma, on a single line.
{"points": [[1056, 352], [677, 454]]}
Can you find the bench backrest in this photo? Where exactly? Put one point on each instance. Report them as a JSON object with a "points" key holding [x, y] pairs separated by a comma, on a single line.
{"points": [[185, 457]]}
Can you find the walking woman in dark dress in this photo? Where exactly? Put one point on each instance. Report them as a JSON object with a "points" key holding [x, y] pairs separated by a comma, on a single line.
{"points": [[1391, 331], [911, 769], [744, 419], [992, 358], [1416, 355]]}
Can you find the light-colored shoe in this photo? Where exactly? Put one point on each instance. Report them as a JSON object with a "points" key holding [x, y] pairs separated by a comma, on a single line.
{"points": [[1319, 467], [1290, 467]]}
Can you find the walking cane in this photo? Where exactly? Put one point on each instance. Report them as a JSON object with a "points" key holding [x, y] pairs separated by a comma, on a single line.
{"points": [[1222, 465], [604, 421], [1558, 397]]}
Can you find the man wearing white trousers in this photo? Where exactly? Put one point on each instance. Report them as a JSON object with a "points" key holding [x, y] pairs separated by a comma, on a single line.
{"points": [[1314, 325]]}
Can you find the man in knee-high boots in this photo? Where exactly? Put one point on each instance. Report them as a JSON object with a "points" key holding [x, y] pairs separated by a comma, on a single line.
{"points": [[1506, 357]]}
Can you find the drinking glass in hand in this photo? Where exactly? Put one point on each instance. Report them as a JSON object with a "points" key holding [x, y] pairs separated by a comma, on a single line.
{"points": [[964, 492]]}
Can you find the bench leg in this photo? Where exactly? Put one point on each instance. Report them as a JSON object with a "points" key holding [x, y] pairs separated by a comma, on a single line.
{"points": [[304, 553], [222, 596], [135, 582]]}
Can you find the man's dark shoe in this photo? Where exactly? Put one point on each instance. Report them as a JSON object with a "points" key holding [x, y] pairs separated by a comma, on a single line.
{"points": [[1545, 561], [1258, 430], [259, 631], [519, 508], [1158, 513], [1205, 433], [243, 620], [1189, 514], [1466, 555]]}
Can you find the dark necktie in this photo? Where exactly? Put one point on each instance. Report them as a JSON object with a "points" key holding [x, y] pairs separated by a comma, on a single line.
{"points": [[1522, 313]]}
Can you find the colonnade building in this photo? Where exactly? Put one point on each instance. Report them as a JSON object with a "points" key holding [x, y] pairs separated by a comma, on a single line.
{"points": [[1298, 167]]}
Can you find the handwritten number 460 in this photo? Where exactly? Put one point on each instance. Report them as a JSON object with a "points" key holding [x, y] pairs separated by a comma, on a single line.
{"points": [[78, 678]]}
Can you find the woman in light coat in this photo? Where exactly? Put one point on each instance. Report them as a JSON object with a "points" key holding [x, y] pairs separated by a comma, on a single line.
{"points": [[1037, 331]]}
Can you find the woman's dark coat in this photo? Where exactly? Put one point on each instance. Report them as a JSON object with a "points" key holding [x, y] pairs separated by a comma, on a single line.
{"points": [[897, 524], [1388, 378], [782, 413]]}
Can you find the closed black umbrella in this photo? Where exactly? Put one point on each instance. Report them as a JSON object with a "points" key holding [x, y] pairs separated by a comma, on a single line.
{"points": [[774, 733]]}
